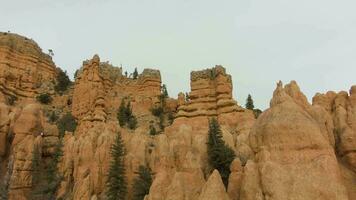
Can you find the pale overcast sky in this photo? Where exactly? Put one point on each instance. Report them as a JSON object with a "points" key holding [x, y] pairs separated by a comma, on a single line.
{"points": [[258, 41]]}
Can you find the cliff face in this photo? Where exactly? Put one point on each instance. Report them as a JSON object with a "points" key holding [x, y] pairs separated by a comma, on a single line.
{"points": [[24, 68], [289, 152]]}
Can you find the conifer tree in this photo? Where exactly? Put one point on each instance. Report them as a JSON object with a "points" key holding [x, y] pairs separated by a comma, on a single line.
{"points": [[165, 91], [142, 183], [220, 155], [116, 183], [135, 74], [249, 103], [53, 178], [121, 115], [36, 174]]}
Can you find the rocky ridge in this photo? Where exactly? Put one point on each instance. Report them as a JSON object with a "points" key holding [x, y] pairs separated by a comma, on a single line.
{"points": [[289, 152]]}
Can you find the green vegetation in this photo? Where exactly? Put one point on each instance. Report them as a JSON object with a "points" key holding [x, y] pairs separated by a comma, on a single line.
{"points": [[53, 117], [153, 130], [220, 155], [125, 116], [66, 123], [142, 183], [157, 111], [164, 91], [117, 183], [46, 181], [44, 98], [135, 74], [257, 112], [249, 103], [63, 81], [11, 100]]}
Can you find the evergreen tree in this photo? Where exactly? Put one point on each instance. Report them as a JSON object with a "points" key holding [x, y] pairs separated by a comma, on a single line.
{"points": [[135, 74], [121, 115], [220, 155], [52, 178], [36, 174], [249, 103], [142, 183], [132, 123], [116, 183], [164, 91]]}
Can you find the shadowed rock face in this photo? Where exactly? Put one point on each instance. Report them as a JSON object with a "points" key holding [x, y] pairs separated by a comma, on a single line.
{"points": [[293, 151], [24, 68]]}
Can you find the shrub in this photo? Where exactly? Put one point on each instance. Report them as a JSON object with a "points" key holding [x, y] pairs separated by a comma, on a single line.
{"points": [[164, 91], [11, 100], [157, 111], [153, 130], [44, 98], [63, 81], [220, 155], [53, 117], [66, 123]]}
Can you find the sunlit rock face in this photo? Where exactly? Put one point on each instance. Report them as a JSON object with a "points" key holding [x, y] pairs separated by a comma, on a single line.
{"points": [[24, 69], [294, 150]]}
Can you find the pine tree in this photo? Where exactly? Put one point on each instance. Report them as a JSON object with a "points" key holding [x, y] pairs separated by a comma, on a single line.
{"points": [[116, 183], [249, 103], [164, 91], [135, 74], [121, 115], [220, 155], [36, 174], [132, 123], [142, 183], [52, 178]]}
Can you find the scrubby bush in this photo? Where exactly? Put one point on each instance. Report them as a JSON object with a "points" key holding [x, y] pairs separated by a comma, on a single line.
{"points": [[157, 111], [63, 81], [44, 98], [249, 103], [66, 123], [11, 100], [153, 130]]}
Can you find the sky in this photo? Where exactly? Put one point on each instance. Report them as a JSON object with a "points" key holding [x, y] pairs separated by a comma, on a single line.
{"points": [[259, 42]]}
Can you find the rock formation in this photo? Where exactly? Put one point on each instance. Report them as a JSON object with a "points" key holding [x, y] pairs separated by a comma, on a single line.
{"points": [[24, 68], [293, 160], [294, 150]]}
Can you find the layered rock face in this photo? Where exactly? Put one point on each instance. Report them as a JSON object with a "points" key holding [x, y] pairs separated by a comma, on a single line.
{"points": [[211, 94], [293, 151], [100, 88], [24, 68]]}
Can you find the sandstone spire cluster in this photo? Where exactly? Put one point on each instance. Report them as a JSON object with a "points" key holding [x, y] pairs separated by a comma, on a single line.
{"points": [[293, 150]]}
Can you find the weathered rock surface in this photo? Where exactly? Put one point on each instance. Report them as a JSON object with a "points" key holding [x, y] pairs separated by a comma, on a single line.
{"points": [[23, 66], [294, 150], [293, 160]]}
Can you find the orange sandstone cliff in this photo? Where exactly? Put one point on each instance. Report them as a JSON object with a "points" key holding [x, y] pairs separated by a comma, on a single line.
{"points": [[294, 150]]}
